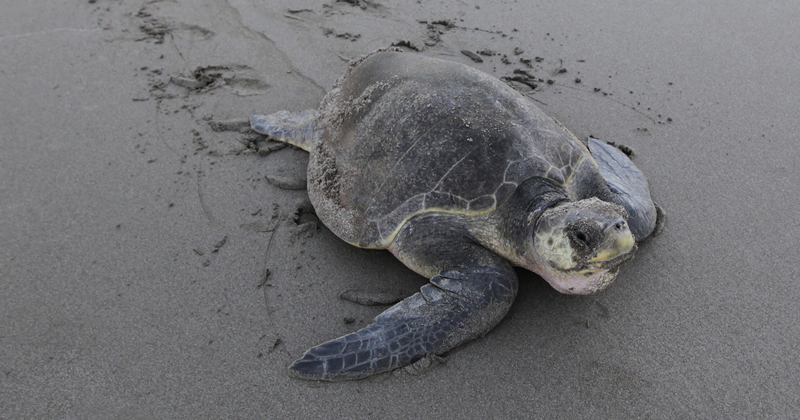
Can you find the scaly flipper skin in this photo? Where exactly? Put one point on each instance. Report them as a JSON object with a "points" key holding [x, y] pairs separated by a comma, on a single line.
{"points": [[628, 187], [296, 128], [459, 305]]}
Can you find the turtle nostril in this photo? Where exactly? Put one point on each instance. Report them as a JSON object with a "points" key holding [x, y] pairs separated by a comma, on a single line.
{"points": [[619, 225]]}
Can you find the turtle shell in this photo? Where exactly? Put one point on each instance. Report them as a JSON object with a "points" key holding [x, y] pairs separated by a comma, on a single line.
{"points": [[405, 134]]}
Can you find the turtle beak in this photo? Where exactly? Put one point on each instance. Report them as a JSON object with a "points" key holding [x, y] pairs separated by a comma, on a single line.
{"points": [[618, 241]]}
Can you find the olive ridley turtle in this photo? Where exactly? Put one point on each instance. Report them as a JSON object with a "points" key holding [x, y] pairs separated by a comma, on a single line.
{"points": [[460, 177]]}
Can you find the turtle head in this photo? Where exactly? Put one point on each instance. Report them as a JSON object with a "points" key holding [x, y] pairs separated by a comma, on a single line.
{"points": [[579, 245]]}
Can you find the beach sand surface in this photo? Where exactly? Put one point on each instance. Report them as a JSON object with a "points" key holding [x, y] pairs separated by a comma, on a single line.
{"points": [[149, 269]]}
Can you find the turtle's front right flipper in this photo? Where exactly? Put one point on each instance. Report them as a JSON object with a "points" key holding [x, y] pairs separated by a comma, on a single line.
{"points": [[298, 129], [459, 305], [628, 187]]}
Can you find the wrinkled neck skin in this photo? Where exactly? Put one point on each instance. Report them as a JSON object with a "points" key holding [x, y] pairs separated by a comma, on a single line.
{"points": [[509, 231]]}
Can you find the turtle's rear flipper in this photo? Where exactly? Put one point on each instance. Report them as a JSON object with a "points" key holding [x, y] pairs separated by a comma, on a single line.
{"points": [[628, 187], [458, 306], [298, 129]]}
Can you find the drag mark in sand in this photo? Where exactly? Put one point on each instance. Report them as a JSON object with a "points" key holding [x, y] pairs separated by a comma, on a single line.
{"points": [[211, 219], [284, 58], [266, 285], [47, 32], [613, 100], [158, 129]]}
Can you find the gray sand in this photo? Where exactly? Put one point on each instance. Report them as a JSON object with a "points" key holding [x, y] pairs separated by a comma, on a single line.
{"points": [[150, 270]]}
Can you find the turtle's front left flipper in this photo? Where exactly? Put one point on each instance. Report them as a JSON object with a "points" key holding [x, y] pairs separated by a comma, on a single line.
{"points": [[628, 187], [457, 306]]}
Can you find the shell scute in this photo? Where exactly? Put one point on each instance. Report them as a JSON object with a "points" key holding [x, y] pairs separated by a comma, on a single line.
{"points": [[405, 134]]}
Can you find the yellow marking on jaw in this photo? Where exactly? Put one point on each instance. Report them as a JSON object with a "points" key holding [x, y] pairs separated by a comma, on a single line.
{"points": [[622, 245]]}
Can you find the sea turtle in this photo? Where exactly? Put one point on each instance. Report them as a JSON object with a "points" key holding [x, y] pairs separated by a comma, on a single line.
{"points": [[460, 177]]}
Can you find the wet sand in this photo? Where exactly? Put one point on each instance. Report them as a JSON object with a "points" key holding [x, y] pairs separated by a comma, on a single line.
{"points": [[150, 268]]}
